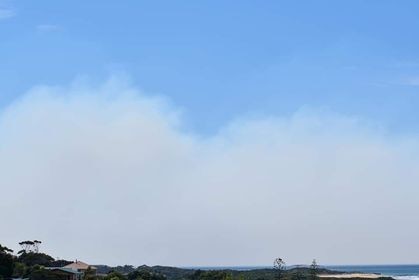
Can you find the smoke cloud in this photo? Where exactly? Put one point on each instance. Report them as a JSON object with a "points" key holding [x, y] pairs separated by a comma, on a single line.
{"points": [[107, 174]]}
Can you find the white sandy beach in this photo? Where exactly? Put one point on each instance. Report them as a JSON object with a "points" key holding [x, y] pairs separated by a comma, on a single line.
{"points": [[351, 275]]}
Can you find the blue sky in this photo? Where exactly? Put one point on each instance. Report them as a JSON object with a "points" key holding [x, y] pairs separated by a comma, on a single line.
{"points": [[305, 109], [217, 60]]}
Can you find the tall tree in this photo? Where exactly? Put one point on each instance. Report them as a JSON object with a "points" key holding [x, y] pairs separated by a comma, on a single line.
{"points": [[314, 269], [279, 266], [30, 246]]}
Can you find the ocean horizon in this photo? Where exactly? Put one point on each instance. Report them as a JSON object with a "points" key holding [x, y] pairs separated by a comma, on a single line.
{"points": [[397, 271]]}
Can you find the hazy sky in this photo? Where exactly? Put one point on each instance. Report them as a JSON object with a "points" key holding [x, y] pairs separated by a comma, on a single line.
{"points": [[211, 132]]}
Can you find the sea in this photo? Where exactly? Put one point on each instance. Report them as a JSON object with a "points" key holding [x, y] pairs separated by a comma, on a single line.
{"points": [[399, 272]]}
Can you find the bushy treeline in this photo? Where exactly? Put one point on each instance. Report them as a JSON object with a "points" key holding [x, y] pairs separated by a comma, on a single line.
{"points": [[27, 264], [174, 273], [31, 264]]}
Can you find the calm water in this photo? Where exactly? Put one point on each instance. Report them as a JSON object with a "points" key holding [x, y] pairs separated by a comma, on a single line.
{"points": [[397, 271]]}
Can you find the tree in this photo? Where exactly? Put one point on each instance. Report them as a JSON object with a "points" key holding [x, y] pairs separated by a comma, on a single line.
{"points": [[39, 273], [210, 275], [4, 249], [114, 276], [6, 262], [32, 258], [314, 268], [297, 274], [279, 266], [89, 274], [29, 246], [142, 274], [36, 244], [19, 270]]}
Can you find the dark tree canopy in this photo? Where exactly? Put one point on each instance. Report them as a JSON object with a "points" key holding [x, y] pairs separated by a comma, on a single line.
{"points": [[114, 276], [143, 274], [6, 262], [40, 273], [313, 271], [210, 275], [31, 259], [30, 246]]}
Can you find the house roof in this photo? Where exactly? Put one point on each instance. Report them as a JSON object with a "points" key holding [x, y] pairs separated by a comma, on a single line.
{"points": [[79, 265], [64, 269]]}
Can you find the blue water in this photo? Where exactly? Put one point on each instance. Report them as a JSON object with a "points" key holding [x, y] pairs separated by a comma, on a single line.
{"points": [[389, 270]]}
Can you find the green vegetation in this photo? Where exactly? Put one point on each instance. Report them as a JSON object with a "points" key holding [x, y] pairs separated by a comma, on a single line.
{"points": [[28, 263], [6, 262], [31, 264], [279, 266], [40, 273], [313, 275]]}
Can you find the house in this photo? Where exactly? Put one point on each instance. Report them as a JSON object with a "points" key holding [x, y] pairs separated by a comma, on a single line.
{"points": [[65, 273], [81, 267]]}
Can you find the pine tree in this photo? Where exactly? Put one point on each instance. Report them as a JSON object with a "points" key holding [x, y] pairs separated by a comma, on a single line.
{"points": [[313, 270]]}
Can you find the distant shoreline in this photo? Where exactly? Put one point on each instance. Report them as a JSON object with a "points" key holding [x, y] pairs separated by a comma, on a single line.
{"points": [[383, 270], [352, 275]]}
